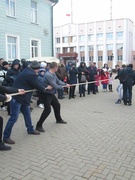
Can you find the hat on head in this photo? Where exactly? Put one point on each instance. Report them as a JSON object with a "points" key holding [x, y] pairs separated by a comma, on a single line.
{"points": [[4, 63], [35, 65], [43, 64]]}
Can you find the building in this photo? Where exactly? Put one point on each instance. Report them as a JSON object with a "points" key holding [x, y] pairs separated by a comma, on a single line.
{"points": [[26, 28], [110, 41]]}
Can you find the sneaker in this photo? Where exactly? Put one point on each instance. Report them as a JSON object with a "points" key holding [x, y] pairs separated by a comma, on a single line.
{"points": [[40, 129], [118, 102], [3, 147], [3, 109], [41, 106], [8, 141], [35, 132], [61, 122]]}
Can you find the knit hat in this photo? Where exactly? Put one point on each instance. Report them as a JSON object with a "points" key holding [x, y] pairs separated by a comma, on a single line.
{"points": [[4, 63], [35, 65], [43, 64]]}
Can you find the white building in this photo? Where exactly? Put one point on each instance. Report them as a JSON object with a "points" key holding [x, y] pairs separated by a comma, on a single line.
{"points": [[110, 41]]}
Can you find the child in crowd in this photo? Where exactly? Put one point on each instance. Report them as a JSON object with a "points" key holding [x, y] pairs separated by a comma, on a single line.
{"points": [[97, 79], [104, 79]]}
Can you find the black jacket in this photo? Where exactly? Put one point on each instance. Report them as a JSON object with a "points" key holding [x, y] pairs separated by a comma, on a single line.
{"points": [[12, 73], [80, 70], [91, 73], [7, 90], [126, 76], [27, 80]]}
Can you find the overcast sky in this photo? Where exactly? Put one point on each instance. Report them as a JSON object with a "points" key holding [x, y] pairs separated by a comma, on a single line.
{"points": [[93, 10]]}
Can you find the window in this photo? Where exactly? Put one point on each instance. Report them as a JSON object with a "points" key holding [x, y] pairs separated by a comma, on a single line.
{"points": [[91, 58], [74, 49], [33, 12], [133, 57], [109, 36], [91, 37], [58, 40], [119, 46], [82, 48], [119, 35], [10, 8], [90, 48], [100, 47], [12, 48], [100, 36], [57, 50], [82, 59], [110, 58], [81, 38], [65, 39], [73, 39], [100, 58], [109, 47], [66, 50], [35, 48], [120, 57]]}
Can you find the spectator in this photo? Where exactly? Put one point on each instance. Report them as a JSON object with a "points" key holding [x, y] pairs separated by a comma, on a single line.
{"points": [[126, 78], [91, 77], [61, 74], [110, 81], [82, 72], [72, 80], [104, 79]]}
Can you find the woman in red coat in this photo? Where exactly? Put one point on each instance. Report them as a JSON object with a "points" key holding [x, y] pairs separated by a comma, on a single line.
{"points": [[104, 79]]}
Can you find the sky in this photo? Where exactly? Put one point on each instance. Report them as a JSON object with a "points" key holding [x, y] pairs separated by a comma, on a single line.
{"points": [[92, 10]]}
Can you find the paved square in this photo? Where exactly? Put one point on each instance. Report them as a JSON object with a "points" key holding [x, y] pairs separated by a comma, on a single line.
{"points": [[97, 143]]}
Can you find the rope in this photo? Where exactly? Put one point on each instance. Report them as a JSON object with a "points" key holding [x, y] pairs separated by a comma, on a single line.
{"points": [[33, 90]]}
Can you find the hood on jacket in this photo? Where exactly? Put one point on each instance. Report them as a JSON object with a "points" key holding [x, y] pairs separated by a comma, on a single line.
{"points": [[16, 62], [82, 64]]}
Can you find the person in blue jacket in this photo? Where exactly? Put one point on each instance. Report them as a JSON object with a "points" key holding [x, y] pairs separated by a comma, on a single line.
{"points": [[27, 80]]}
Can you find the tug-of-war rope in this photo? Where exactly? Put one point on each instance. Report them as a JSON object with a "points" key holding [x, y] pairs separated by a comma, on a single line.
{"points": [[33, 90]]}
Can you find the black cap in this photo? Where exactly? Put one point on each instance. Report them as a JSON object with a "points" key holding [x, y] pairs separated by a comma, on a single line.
{"points": [[35, 65]]}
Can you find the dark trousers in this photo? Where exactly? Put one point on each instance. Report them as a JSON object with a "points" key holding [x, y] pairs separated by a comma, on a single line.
{"points": [[49, 100], [91, 87], [72, 91], [127, 90], [110, 87], [60, 93], [1, 128], [82, 89]]}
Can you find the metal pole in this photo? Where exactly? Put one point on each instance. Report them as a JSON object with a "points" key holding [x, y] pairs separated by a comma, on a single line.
{"points": [[110, 9], [71, 12]]}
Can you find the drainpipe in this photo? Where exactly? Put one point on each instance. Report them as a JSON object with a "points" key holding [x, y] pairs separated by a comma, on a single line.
{"points": [[52, 26]]}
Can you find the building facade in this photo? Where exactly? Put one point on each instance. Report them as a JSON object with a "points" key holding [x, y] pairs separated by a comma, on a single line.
{"points": [[26, 29], [110, 41]]}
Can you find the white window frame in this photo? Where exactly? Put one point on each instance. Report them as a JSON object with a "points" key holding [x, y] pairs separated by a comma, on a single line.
{"points": [[82, 58], [100, 47], [82, 48], [109, 47], [57, 50], [58, 40], [74, 39], [33, 11], [8, 9], [99, 36], [39, 47], [17, 46], [119, 35], [119, 46], [81, 38], [109, 36], [65, 39], [91, 37], [91, 48]]}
